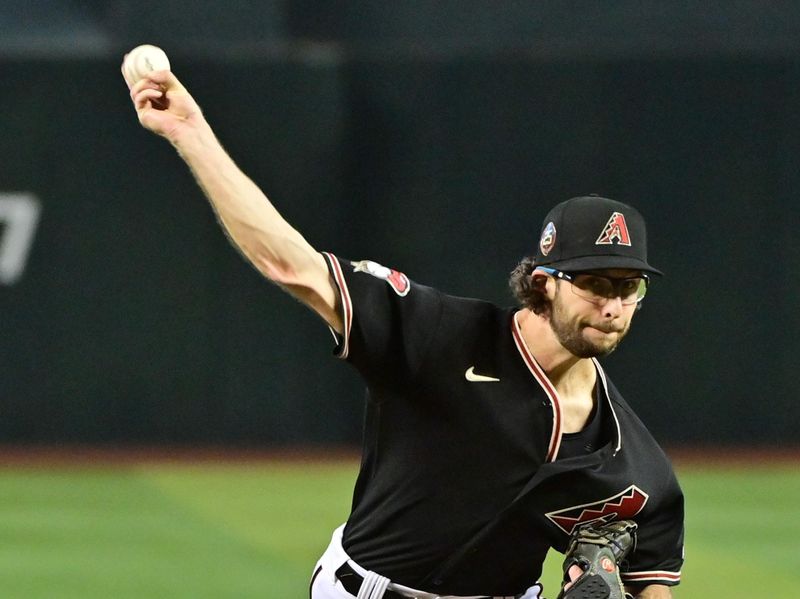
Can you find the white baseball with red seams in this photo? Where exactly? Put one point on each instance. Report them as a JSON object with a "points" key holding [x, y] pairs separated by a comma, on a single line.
{"points": [[142, 60]]}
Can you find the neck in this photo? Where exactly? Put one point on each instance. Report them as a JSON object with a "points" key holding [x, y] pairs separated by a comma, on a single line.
{"points": [[561, 365]]}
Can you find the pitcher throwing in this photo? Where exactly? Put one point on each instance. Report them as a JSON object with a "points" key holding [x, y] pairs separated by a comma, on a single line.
{"points": [[492, 434]]}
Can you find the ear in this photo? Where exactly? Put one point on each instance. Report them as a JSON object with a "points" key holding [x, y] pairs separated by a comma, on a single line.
{"points": [[539, 280], [544, 283]]}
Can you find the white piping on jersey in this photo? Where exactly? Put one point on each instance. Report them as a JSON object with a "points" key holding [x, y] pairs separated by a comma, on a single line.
{"points": [[544, 383], [651, 576], [610, 403], [347, 305]]}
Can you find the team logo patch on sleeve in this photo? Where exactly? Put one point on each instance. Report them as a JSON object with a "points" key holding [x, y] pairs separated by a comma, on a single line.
{"points": [[622, 506], [397, 280], [616, 230]]}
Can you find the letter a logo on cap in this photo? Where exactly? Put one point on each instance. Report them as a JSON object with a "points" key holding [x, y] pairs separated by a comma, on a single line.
{"points": [[616, 230]]}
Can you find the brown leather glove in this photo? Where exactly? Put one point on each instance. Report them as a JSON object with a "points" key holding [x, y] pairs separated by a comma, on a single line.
{"points": [[596, 550]]}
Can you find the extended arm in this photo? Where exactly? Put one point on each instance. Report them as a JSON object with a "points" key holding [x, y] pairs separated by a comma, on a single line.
{"points": [[253, 224], [652, 591]]}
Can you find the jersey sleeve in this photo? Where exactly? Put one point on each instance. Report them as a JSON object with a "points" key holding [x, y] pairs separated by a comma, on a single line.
{"points": [[658, 556], [388, 320]]}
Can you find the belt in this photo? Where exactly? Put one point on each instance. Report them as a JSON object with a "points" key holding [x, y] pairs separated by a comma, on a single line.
{"points": [[351, 581]]}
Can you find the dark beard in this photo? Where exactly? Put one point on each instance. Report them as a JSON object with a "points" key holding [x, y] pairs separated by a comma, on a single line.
{"points": [[570, 335]]}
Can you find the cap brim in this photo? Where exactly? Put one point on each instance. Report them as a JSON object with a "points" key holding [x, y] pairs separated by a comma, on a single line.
{"points": [[603, 262]]}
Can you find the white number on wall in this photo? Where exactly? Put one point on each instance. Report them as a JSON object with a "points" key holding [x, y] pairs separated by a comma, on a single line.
{"points": [[19, 216]]}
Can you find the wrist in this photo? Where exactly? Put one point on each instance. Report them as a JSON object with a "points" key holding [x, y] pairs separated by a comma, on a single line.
{"points": [[191, 137]]}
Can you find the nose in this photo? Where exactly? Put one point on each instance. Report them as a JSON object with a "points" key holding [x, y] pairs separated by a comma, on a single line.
{"points": [[612, 307]]}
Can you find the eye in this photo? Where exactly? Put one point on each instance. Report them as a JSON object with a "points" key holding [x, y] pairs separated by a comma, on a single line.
{"points": [[596, 285]]}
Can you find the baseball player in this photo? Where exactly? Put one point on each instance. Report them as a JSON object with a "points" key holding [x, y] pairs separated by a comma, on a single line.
{"points": [[492, 434]]}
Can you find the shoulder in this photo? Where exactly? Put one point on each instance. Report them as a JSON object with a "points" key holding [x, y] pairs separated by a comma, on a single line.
{"points": [[469, 329], [466, 313], [370, 277], [636, 437], [619, 402]]}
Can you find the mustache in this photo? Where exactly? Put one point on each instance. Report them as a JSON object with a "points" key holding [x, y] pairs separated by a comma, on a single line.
{"points": [[606, 328]]}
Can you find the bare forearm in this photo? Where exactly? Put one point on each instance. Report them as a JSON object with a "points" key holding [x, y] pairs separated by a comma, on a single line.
{"points": [[653, 591], [255, 227], [278, 251]]}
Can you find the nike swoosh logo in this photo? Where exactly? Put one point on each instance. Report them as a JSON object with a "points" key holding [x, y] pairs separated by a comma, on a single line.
{"points": [[478, 378]]}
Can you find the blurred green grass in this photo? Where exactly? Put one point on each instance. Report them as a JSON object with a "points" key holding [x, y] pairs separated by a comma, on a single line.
{"points": [[255, 530]]}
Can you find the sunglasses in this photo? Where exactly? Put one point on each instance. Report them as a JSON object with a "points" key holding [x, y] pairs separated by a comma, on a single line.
{"points": [[598, 289]]}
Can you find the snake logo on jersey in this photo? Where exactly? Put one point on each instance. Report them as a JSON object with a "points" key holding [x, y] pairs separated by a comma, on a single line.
{"points": [[622, 506], [397, 280]]}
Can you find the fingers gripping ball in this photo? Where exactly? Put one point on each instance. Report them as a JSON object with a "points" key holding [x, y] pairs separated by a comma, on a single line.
{"points": [[597, 550], [142, 60]]}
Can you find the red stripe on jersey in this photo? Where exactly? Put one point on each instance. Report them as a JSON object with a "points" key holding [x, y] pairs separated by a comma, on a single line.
{"points": [[347, 304], [544, 382], [653, 576]]}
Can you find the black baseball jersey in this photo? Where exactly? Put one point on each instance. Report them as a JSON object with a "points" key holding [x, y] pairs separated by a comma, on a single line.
{"points": [[461, 488]]}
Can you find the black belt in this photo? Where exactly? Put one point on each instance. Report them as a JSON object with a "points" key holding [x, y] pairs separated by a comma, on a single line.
{"points": [[351, 581]]}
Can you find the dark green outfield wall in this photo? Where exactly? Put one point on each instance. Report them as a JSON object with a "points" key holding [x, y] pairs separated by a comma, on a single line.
{"points": [[134, 320]]}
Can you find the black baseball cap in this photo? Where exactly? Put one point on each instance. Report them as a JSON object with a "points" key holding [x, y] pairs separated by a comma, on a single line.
{"points": [[591, 232]]}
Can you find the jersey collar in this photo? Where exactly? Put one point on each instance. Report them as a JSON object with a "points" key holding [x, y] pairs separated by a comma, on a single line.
{"points": [[544, 382]]}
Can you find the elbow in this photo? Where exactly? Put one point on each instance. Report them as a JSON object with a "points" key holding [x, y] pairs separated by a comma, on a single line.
{"points": [[270, 264], [277, 271], [285, 259]]}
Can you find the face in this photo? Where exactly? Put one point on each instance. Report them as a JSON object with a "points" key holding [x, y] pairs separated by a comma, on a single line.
{"points": [[586, 329]]}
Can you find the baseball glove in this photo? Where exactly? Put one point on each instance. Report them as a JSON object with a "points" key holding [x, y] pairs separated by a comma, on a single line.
{"points": [[597, 549]]}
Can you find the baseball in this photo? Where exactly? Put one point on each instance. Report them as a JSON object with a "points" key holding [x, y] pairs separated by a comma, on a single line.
{"points": [[143, 59]]}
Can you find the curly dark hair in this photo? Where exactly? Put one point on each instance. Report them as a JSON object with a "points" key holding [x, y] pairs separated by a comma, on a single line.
{"points": [[526, 292]]}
